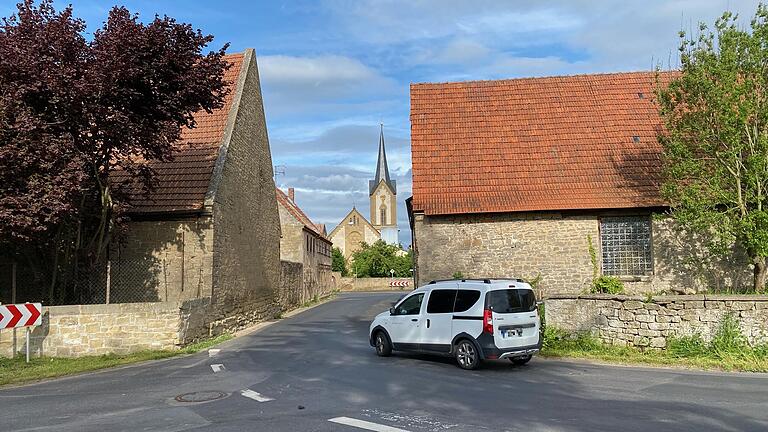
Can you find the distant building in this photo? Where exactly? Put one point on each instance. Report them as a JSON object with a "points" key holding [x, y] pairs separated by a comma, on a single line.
{"points": [[304, 242], [382, 225]]}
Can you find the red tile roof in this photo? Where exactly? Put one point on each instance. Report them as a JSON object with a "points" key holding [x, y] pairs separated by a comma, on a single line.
{"points": [[183, 182], [296, 212], [556, 143]]}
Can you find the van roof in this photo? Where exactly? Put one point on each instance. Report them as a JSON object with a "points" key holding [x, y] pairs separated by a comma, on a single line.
{"points": [[490, 284]]}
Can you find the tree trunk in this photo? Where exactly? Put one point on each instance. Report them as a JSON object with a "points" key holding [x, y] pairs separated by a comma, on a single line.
{"points": [[761, 271]]}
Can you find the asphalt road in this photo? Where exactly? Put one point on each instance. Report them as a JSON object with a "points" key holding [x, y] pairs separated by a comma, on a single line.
{"points": [[317, 367]]}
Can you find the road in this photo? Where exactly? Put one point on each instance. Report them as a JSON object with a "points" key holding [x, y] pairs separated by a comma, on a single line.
{"points": [[300, 373]]}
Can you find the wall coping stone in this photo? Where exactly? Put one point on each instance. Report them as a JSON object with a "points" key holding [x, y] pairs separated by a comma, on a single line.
{"points": [[662, 298]]}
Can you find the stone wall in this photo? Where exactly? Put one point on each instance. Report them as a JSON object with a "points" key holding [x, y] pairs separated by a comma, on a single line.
{"points": [[555, 246], [635, 321], [72, 331], [246, 265], [373, 284], [165, 260], [294, 289]]}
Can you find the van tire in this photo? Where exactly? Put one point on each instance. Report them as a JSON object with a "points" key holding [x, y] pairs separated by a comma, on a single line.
{"points": [[382, 344], [519, 361], [467, 355]]}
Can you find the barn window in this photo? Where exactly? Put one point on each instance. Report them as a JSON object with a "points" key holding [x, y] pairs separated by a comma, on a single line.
{"points": [[625, 244]]}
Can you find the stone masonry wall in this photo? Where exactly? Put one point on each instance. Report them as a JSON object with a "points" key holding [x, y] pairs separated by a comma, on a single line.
{"points": [[72, 331], [373, 284], [635, 321], [163, 261], [520, 246], [554, 245], [246, 266]]}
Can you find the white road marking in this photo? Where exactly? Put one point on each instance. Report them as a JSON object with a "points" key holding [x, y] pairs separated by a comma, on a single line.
{"points": [[258, 397], [213, 352], [217, 367], [362, 424]]}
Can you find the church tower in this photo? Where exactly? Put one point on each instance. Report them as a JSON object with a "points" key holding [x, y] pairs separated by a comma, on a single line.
{"points": [[382, 191]]}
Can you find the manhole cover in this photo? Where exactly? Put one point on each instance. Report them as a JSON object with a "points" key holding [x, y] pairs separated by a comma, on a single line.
{"points": [[203, 396]]}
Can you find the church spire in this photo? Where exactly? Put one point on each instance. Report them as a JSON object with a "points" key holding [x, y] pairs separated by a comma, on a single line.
{"points": [[382, 169]]}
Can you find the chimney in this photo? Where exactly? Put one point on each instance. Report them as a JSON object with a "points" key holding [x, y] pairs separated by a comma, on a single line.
{"points": [[291, 195]]}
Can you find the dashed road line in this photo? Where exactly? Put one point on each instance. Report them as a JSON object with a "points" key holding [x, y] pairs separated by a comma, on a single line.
{"points": [[362, 424], [217, 367], [213, 352], [258, 397]]}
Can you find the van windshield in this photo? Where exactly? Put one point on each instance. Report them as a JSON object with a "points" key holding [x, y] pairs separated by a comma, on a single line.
{"points": [[511, 300]]}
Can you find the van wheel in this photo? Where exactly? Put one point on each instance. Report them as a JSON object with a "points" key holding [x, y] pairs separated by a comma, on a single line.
{"points": [[466, 355], [383, 347], [519, 361]]}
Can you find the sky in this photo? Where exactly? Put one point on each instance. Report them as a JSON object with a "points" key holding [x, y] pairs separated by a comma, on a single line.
{"points": [[333, 70]]}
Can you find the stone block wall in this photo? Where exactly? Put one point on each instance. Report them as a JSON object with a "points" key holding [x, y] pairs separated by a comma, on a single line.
{"points": [[555, 246], [294, 289], [72, 331], [636, 321], [246, 264], [163, 260]]}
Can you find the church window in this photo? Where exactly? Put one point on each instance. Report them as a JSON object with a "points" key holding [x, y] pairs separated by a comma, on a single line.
{"points": [[383, 216]]}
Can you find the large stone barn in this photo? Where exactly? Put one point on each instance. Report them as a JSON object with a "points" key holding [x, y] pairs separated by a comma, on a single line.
{"points": [[532, 177], [210, 229]]}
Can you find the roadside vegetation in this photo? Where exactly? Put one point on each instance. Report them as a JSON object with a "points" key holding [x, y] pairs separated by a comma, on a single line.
{"points": [[727, 350], [377, 259], [17, 371]]}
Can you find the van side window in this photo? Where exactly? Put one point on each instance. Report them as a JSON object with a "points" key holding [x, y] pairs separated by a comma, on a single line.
{"points": [[465, 299], [411, 305], [441, 301]]}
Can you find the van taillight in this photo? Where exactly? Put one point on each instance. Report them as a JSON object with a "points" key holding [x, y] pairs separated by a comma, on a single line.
{"points": [[488, 321]]}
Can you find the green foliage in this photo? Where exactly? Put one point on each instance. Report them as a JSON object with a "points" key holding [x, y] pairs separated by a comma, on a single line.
{"points": [[534, 281], [458, 275], [728, 340], [607, 285], [687, 346], [593, 258], [378, 259], [728, 349], [338, 262], [716, 138]]}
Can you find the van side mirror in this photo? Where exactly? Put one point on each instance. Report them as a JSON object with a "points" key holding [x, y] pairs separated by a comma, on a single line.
{"points": [[392, 310]]}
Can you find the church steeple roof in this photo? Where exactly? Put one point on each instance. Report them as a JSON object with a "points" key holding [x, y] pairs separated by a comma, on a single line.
{"points": [[382, 169]]}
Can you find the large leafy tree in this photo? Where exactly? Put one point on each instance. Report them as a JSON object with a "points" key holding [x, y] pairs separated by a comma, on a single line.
{"points": [[338, 262], [75, 110], [716, 137], [377, 259]]}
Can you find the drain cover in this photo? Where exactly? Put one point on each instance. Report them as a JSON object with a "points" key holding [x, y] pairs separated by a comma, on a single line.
{"points": [[203, 396]]}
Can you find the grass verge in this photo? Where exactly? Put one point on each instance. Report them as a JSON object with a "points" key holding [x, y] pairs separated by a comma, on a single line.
{"points": [[728, 350], [16, 371]]}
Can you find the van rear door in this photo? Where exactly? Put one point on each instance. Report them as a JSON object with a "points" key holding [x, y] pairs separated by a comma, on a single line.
{"points": [[515, 317]]}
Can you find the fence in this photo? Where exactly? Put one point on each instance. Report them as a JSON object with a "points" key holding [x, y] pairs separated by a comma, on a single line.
{"points": [[121, 281]]}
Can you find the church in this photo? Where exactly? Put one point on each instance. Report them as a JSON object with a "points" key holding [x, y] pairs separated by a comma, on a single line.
{"points": [[382, 225]]}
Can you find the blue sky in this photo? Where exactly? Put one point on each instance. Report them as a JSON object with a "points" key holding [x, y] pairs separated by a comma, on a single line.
{"points": [[333, 70]]}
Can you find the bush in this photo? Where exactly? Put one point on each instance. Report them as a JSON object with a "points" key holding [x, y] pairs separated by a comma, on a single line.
{"points": [[687, 346], [729, 340], [458, 275], [607, 285]]}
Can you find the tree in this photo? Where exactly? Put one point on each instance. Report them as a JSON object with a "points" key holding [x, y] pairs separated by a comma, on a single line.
{"points": [[378, 259], [716, 138], [76, 111], [338, 262]]}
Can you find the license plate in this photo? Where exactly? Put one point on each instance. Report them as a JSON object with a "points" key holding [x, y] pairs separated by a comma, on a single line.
{"points": [[512, 333]]}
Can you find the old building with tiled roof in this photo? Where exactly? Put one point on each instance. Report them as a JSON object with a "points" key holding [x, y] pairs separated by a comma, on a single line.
{"points": [[210, 228], [515, 178], [302, 241]]}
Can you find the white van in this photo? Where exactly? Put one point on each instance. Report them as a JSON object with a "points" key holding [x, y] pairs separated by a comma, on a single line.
{"points": [[472, 320]]}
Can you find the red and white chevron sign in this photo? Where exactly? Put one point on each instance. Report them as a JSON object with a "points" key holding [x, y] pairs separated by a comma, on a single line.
{"points": [[21, 315], [398, 283]]}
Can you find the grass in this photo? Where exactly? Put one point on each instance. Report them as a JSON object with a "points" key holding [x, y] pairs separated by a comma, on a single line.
{"points": [[16, 370], [728, 350]]}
